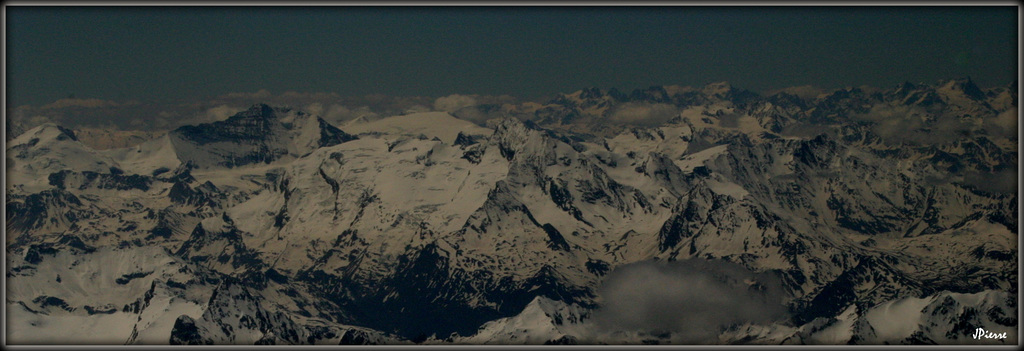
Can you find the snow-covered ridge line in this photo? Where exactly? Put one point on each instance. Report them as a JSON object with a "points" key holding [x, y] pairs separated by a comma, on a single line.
{"points": [[397, 229]]}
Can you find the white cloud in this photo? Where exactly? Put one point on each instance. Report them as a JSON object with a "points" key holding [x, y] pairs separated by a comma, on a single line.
{"points": [[806, 92], [316, 109], [37, 120], [337, 113], [297, 96], [694, 300], [1005, 123], [454, 102], [644, 114], [417, 109], [260, 94], [474, 115], [896, 123], [1004, 181], [219, 113], [87, 103]]}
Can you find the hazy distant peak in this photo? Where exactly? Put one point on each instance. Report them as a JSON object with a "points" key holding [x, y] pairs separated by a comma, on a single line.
{"points": [[965, 86], [590, 93], [906, 87], [722, 88]]}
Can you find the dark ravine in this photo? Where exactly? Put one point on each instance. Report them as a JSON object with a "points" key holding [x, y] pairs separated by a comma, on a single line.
{"points": [[846, 217]]}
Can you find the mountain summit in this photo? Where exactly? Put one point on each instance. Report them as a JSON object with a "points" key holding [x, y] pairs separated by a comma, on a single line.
{"points": [[276, 227]]}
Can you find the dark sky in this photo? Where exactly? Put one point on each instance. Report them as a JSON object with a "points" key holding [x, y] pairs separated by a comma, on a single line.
{"points": [[156, 53]]}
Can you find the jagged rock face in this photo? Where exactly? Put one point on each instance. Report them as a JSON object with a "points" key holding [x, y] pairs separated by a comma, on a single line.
{"points": [[403, 232], [48, 208], [237, 313], [253, 124], [261, 134], [116, 180], [553, 200]]}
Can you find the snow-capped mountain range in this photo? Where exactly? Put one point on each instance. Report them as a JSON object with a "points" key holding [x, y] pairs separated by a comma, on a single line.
{"points": [[277, 227]]}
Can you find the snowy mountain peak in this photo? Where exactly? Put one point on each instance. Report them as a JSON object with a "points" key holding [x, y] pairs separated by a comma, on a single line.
{"points": [[963, 86], [49, 148], [717, 88], [261, 134], [288, 229], [590, 93], [902, 90], [46, 132], [256, 111], [542, 321], [428, 124]]}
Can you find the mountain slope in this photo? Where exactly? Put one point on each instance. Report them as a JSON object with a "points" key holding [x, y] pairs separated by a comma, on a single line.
{"points": [[426, 228]]}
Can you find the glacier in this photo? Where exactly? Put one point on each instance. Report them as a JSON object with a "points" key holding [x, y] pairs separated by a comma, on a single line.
{"points": [[277, 227]]}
